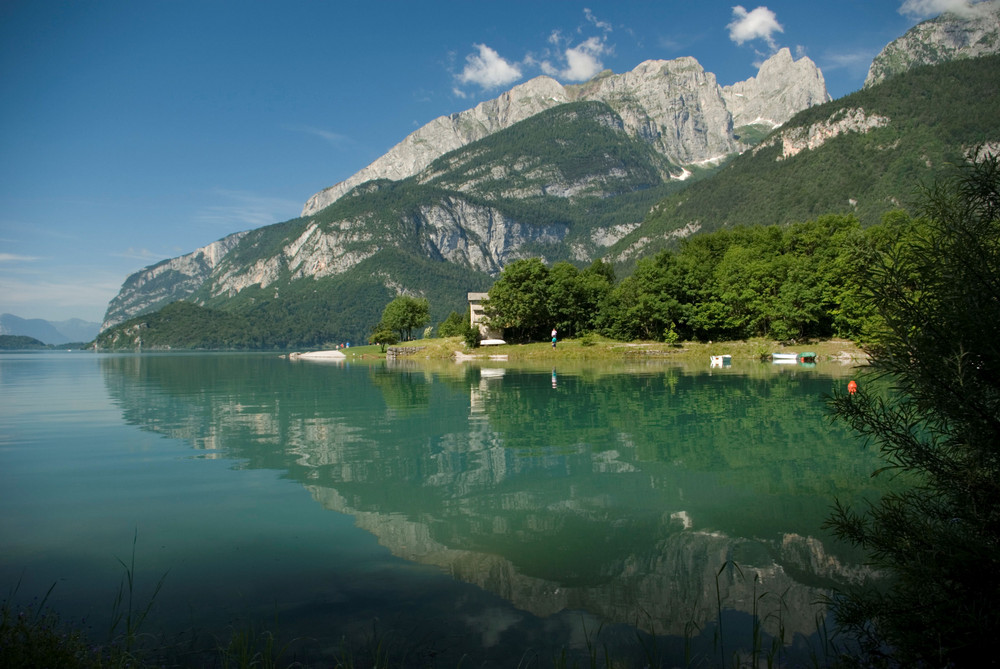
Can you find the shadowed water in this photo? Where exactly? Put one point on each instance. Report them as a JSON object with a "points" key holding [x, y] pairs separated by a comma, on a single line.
{"points": [[449, 510]]}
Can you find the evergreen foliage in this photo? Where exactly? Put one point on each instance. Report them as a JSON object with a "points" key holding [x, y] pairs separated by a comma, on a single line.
{"points": [[792, 282], [938, 542], [575, 143], [933, 113]]}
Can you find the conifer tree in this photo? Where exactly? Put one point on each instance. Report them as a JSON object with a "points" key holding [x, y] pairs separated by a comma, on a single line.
{"points": [[936, 542]]}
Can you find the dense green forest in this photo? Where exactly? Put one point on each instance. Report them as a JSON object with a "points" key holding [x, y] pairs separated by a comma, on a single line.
{"points": [[792, 282]]}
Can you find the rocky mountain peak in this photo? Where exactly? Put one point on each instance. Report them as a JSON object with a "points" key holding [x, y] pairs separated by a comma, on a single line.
{"points": [[971, 33], [675, 105], [447, 133], [782, 87]]}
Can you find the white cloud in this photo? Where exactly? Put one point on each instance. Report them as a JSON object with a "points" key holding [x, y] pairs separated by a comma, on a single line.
{"points": [[581, 62], [144, 255], [761, 23], [332, 137], [488, 70], [11, 257], [848, 60], [603, 25], [244, 210], [923, 9]]}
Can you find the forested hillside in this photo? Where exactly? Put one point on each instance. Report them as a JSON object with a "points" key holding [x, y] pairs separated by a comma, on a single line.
{"points": [[781, 282], [933, 115]]}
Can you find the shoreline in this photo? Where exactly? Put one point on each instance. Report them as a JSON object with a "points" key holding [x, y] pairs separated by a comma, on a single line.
{"points": [[595, 349]]}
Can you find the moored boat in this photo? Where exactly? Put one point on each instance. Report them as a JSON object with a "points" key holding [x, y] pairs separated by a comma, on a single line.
{"points": [[721, 360]]}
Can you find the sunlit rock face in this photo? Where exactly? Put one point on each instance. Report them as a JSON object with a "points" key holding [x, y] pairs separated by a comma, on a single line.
{"points": [[675, 105], [974, 31], [802, 138], [782, 87], [167, 281], [447, 133]]}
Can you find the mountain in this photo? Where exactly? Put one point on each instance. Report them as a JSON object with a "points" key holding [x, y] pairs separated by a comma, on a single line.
{"points": [[59, 332], [167, 281], [972, 32], [591, 175], [408, 210], [565, 183], [19, 343], [863, 155], [676, 106]]}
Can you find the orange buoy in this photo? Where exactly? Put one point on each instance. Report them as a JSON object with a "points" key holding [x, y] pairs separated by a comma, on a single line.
{"points": [[852, 387]]}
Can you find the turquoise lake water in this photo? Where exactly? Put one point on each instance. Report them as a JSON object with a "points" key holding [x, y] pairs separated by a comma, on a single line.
{"points": [[500, 514]]}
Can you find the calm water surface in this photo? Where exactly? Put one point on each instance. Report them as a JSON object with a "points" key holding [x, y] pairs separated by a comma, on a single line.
{"points": [[504, 515]]}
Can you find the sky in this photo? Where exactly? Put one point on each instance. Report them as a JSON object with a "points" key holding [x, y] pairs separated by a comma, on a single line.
{"points": [[132, 131]]}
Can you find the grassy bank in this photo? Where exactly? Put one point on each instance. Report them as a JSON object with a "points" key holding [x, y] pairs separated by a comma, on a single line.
{"points": [[600, 349]]}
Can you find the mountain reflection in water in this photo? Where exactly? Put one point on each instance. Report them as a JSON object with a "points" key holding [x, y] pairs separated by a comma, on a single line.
{"points": [[637, 495]]}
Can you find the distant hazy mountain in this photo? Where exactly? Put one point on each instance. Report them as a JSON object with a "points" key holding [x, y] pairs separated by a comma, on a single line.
{"points": [[59, 332], [970, 33]]}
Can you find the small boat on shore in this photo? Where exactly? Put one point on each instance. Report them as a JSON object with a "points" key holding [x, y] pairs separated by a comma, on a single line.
{"points": [[721, 360], [321, 356], [792, 358]]}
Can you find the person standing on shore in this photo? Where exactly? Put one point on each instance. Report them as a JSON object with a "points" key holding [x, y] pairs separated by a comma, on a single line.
{"points": [[553, 337]]}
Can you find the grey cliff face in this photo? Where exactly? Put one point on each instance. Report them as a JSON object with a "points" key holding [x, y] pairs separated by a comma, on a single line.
{"points": [[447, 133], [972, 33], [466, 234], [675, 105], [809, 138], [167, 281], [480, 237], [782, 87]]}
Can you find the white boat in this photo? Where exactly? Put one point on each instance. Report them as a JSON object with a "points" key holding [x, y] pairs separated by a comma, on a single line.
{"points": [[321, 356], [721, 360], [492, 342], [784, 358]]}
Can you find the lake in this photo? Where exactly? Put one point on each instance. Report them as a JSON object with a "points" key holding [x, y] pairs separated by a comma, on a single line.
{"points": [[447, 513]]}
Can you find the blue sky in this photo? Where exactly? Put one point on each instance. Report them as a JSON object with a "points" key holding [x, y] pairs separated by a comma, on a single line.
{"points": [[134, 131]]}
